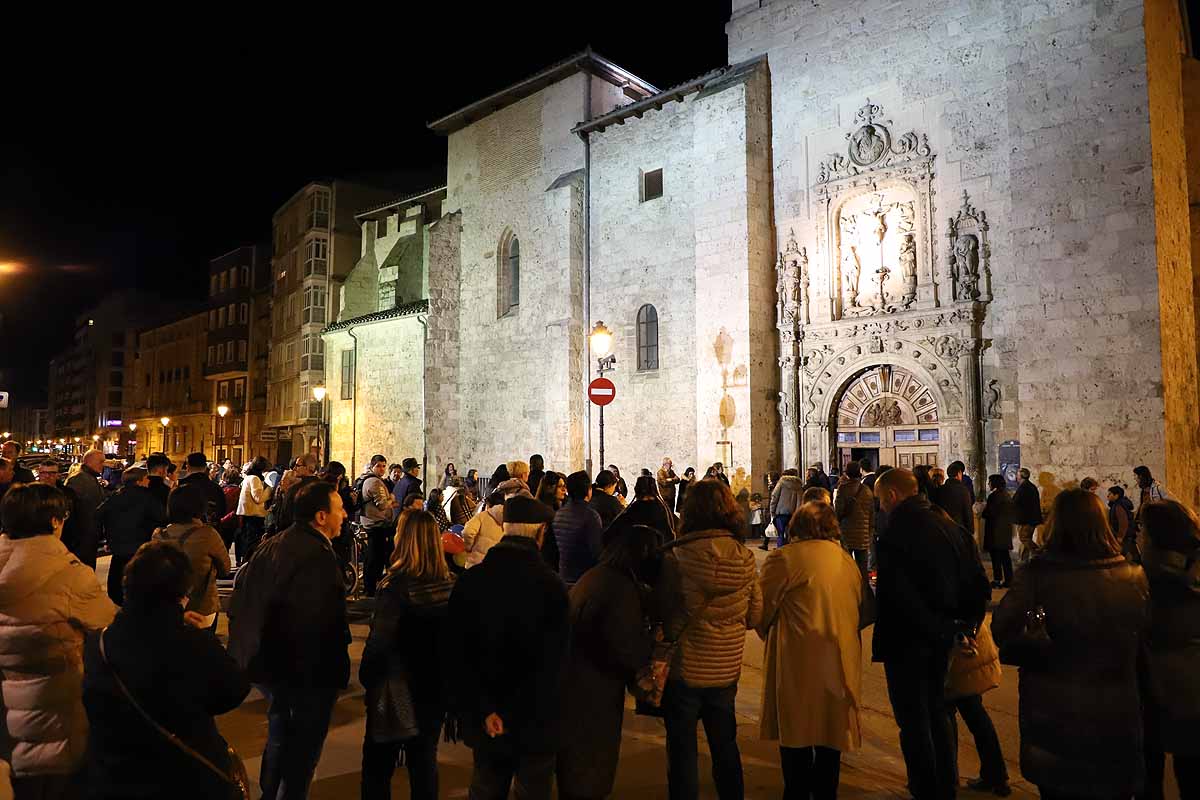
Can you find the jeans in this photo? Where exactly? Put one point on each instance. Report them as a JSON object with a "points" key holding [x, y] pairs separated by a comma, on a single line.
{"points": [[249, 537], [420, 757], [682, 707], [991, 760], [810, 772], [116, 572], [297, 721], [379, 554], [531, 776], [916, 681], [1002, 566], [780, 521]]}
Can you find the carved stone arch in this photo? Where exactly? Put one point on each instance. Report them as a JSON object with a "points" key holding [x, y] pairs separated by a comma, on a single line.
{"points": [[834, 386]]}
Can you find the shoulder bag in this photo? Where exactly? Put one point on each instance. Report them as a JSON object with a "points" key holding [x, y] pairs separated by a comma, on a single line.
{"points": [[1031, 647], [237, 778], [651, 678], [974, 664]]}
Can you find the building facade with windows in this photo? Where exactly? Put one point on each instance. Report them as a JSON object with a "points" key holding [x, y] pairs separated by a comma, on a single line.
{"points": [[870, 236], [315, 243], [238, 346], [168, 380]]}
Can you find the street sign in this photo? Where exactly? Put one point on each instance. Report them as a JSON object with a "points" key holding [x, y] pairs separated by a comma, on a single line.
{"points": [[267, 435], [3, 399], [602, 391]]}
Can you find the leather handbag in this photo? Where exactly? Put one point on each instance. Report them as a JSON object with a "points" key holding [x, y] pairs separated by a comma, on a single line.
{"points": [[974, 665], [1031, 647], [651, 678], [391, 712], [237, 778]]}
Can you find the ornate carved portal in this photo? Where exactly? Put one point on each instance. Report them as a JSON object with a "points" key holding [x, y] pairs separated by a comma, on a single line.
{"points": [[887, 415], [878, 304]]}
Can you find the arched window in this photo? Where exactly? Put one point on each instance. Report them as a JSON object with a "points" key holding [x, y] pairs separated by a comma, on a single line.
{"points": [[508, 284], [647, 338]]}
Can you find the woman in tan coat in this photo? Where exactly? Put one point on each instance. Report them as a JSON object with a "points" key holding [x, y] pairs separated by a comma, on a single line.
{"points": [[205, 550], [815, 602]]}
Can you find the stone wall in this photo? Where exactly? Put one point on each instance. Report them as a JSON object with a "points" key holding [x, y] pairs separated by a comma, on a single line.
{"points": [[443, 398], [389, 387], [1039, 111]]}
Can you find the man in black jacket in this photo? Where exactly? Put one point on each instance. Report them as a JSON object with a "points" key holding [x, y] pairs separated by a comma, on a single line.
{"points": [[508, 616], [604, 499], [930, 583], [288, 630], [128, 518], [1028, 504], [197, 480], [955, 498], [10, 452]]}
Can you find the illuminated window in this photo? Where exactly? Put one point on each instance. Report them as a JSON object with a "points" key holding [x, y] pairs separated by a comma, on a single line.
{"points": [[928, 435], [906, 436]]}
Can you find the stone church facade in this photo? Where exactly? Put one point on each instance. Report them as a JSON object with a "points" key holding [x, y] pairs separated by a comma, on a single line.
{"points": [[901, 232]]}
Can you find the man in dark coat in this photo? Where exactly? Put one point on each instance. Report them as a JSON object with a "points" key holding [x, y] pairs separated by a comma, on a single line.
{"points": [[11, 451], [537, 471], [197, 480], [577, 530], [509, 618], [955, 499], [1028, 504], [303, 472], [83, 538], [158, 464], [929, 581], [288, 630], [409, 483], [128, 518], [604, 498]]}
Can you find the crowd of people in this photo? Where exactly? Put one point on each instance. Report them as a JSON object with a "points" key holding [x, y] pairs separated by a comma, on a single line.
{"points": [[515, 614]]}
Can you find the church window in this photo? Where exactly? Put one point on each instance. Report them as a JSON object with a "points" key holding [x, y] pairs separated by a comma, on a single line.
{"points": [[647, 338], [347, 375], [508, 283], [652, 185]]}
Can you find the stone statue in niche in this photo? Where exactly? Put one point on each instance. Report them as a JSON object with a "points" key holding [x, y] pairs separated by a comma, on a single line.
{"points": [[908, 269], [883, 414], [785, 407], [804, 283], [993, 406], [792, 282], [876, 344], [852, 269], [970, 273]]}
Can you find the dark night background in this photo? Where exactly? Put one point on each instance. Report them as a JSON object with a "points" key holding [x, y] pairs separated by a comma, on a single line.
{"points": [[132, 154], [132, 158]]}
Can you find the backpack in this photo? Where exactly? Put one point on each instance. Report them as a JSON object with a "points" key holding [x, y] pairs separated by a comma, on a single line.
{"points": [[360, 500]]}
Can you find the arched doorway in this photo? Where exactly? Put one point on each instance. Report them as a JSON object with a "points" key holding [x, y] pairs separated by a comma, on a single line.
{"points": [[886, 415]]}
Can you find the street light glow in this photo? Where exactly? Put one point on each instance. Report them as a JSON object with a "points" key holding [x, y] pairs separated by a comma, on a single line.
{"points": [[165, 421], [133, 426], [601, 338], [222, 410], [319, 393]]}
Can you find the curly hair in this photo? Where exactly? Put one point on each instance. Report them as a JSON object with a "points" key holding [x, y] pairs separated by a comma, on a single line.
{"points": [[710, 505]]}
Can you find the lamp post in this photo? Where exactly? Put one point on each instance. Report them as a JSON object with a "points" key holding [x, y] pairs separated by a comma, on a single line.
{"points": [[132, 441], [95, 441], [222, 410], [319, 395], [165, 422], [601, 341]]}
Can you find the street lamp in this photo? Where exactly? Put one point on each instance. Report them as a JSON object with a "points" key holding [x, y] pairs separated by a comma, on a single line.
{"points": [[319, 395], [222, 410], [165, 422], [601, 339], [132, 441]]}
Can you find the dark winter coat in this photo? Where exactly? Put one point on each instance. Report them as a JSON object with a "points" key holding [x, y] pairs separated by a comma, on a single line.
{"points": [[998, 520], [183, 678], [643, 512], [159, 488], [855, 509], [955, 499], [23, 474], [929, 575], [1028, 504], [409, 635], [1080, 714], [214, 497], [578, 533], [408, 484], [84, 531], [1120, 519], [1173, 700], [535, 480], [287, 620], [509, 632], [609, 642], [129, 517], [606, 505], [284, 514]]}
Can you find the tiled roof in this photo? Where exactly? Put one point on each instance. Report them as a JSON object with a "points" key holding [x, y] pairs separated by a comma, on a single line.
{"points": [[399, 201], [406, 310]]}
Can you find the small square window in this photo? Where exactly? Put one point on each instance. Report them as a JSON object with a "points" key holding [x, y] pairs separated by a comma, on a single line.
{"points": [[906, 436], [869, 436], [652, 185], [847, 437], [928, 435]]}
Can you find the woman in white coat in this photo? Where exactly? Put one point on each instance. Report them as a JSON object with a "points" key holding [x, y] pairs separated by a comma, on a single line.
{"points": [[815, 603]]}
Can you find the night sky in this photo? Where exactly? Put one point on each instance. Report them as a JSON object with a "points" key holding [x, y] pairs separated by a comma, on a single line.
{"points": [[132, 158]]}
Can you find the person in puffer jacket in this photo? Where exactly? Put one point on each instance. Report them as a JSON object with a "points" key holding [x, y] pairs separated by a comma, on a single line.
{"points": [[708, 597], [48, 600], [482, 531]]}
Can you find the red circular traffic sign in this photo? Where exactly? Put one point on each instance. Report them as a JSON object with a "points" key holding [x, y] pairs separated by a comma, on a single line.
{"points": [[602, 391]]}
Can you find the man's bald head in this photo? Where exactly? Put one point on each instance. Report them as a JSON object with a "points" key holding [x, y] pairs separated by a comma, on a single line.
{"points": [[94, 460], [894, 487]]}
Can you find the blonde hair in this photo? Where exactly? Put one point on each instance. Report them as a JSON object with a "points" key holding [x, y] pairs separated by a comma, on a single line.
{"points": [[814, 521], [518, 469], [418, 547]]}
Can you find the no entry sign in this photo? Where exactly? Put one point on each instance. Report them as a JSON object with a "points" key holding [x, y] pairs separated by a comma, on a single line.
{"points": [[602, 391]]}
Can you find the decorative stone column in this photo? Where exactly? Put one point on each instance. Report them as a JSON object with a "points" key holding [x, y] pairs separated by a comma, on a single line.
{"points": [[787, 286], [972, 445]]}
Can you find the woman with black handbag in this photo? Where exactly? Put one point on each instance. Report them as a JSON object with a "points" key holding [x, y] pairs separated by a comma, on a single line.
{"points": [[1074, 622], [405, 661], [152, 685]]}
